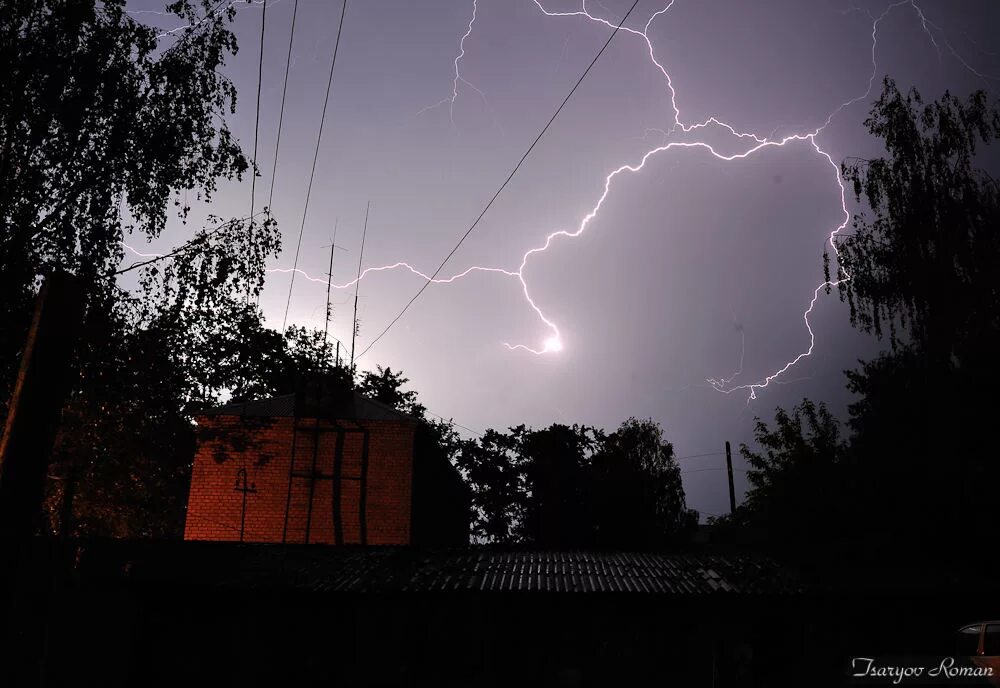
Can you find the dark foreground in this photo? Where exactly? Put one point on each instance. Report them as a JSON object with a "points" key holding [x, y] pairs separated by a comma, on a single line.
{"points": [[173, 614]]}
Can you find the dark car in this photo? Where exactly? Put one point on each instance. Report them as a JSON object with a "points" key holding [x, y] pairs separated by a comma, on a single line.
{"points": [[978, 639], [981, 642]]}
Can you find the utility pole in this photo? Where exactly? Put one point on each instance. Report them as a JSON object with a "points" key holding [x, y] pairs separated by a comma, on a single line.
{"points": [[357, 285], [729, 469], [329, 282], [42, 383]]}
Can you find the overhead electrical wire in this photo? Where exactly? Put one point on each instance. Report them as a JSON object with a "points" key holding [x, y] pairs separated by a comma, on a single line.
{"points": [[720, 468], [281, 112], [190, 243], [189, 30], [312, 173], [698, 456], [256, 123], [506, 181]]}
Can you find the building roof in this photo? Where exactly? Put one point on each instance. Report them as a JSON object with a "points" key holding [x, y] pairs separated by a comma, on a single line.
{"points": [[526, 571], [352, 406], [321, 569]]}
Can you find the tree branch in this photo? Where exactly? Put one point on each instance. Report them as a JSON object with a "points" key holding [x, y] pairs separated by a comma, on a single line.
{"points": [[186, 245]]}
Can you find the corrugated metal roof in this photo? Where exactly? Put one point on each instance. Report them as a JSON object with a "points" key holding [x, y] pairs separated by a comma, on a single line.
{"points": [[323, 569]]}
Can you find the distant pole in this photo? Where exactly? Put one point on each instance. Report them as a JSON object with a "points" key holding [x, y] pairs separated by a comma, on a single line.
{"points": [[329, 281], [357, 284], [729, 469], [338, 353]]}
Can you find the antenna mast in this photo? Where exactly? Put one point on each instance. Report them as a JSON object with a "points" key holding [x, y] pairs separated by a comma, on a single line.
{"points": [[329, 282], [357, 285]]}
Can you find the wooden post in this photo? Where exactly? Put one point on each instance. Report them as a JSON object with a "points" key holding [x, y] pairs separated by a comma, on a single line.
{"points": [[43, 382], [729, 469]]}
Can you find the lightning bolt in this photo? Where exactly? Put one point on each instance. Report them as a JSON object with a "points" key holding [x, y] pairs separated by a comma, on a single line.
{"points": [[723, 382], [684, 131], [927, 24], [450, 101], [393, 266], [554, 343], [347, 285], [141, 254]]}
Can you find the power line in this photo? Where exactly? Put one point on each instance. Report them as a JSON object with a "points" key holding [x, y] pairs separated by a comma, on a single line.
{"points": [[253, 172], [183, 247], [189, 30], [312, 173], [187, 244], [706, 513], [281, 113], [256, 123], [451, 421], [506, 181], [721, 468], [698, 456]]}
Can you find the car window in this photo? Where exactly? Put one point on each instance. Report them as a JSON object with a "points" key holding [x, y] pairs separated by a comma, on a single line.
{"points": [[991, 640], [967, 640]]}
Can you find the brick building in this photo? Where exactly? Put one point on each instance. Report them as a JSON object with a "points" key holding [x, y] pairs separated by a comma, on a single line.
{"points": [[323, 465]]}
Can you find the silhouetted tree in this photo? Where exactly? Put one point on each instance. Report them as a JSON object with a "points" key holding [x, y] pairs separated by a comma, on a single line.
{"points": [[102, 127], [496, 478], [265, 363], [575, 486], [555, 463], [637, 497], [924, 262], [921, 265], [387, 387], [99, 122], [795, 478], [921, 450], [924, 265], [124, 447]]}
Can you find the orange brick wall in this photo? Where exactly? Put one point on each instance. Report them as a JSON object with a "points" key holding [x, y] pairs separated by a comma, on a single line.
{"points": [[264, 447]]}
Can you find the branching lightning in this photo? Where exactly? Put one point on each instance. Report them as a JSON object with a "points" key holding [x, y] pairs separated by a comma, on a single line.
{"points": [[677, 134], [347, 285], [724, 382], [553, 343], [407, 266], [450, 101]]}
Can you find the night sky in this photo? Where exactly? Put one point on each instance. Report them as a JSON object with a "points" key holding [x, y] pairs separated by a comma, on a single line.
{"points": [[693, 268]]}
